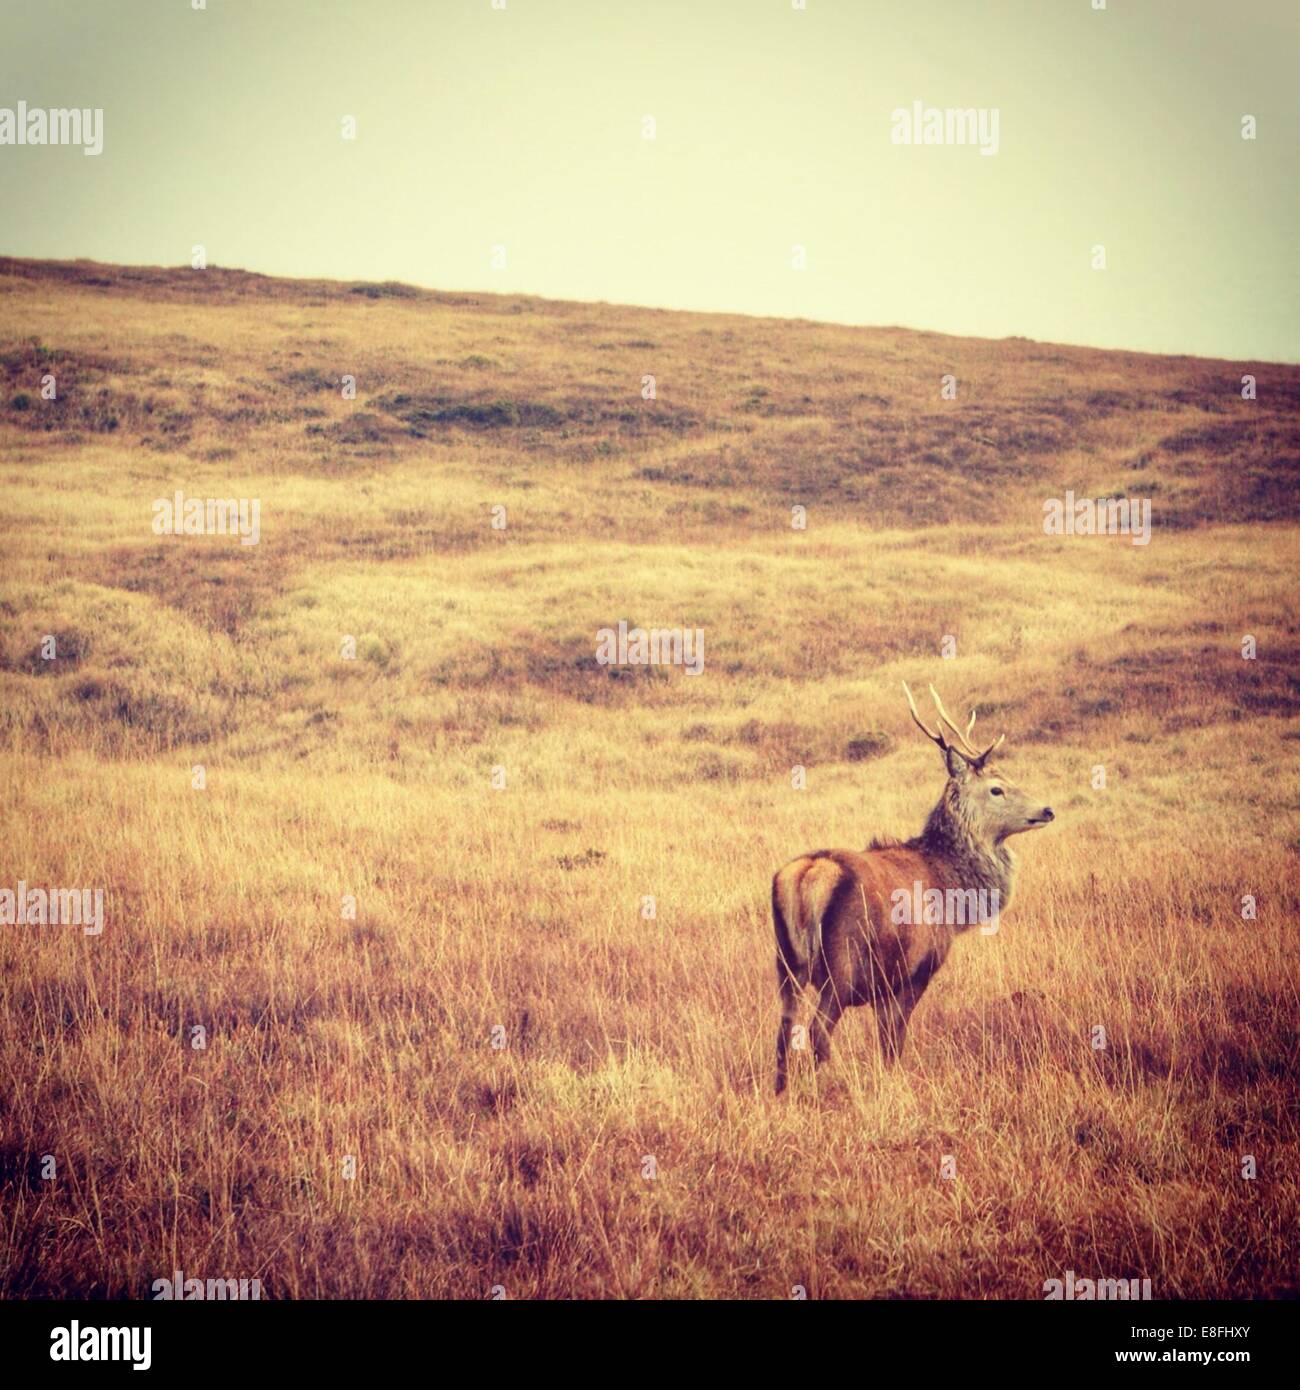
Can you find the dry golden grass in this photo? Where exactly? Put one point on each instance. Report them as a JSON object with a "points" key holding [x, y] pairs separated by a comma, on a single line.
{"points": [[625, 1038]]}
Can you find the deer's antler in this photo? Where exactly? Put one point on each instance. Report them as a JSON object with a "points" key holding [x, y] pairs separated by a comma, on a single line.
{"points": [[935, 736], [963, 745], [948, 720]]}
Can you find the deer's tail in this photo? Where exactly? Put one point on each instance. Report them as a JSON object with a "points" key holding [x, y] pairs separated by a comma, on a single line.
{"points": [[792, 947]]}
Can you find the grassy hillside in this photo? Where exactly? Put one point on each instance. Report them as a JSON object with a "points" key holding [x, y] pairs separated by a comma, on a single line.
{"points": [[520, 908]]}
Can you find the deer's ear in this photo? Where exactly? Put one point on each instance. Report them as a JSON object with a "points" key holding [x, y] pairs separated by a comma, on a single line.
{"points": [[958, 767]]}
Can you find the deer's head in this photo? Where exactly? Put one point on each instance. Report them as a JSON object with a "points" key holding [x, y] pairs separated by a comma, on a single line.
{"points": [[989, 805]]}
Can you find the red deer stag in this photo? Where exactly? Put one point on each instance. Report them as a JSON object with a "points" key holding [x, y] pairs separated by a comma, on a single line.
{"points": [[873, 927]]}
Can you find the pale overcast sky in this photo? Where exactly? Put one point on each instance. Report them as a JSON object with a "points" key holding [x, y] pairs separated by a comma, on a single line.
{"points": [[524, 128]]}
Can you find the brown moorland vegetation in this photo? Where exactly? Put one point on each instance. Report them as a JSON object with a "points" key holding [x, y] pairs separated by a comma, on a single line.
{"points": [[620, 1138]]}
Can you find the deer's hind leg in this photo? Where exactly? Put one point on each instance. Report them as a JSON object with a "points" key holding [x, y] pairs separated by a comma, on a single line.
{"points": [[790, 988]]}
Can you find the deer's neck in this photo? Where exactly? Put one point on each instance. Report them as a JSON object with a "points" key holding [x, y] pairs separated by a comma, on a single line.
{"points": [[974, 862]]}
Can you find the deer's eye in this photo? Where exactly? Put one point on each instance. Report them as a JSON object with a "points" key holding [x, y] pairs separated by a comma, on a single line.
{"points": [[995, 791]]}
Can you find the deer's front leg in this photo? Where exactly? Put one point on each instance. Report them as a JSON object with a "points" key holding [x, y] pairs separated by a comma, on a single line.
{"points": [[892, 1014], [893, 1010], [824, 1020]]}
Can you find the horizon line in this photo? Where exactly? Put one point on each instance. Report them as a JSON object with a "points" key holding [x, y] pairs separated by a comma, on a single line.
{"points": [[652, 308]]}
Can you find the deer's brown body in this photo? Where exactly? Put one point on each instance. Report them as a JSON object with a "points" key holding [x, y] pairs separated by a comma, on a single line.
{"points": [[837, 912]]}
